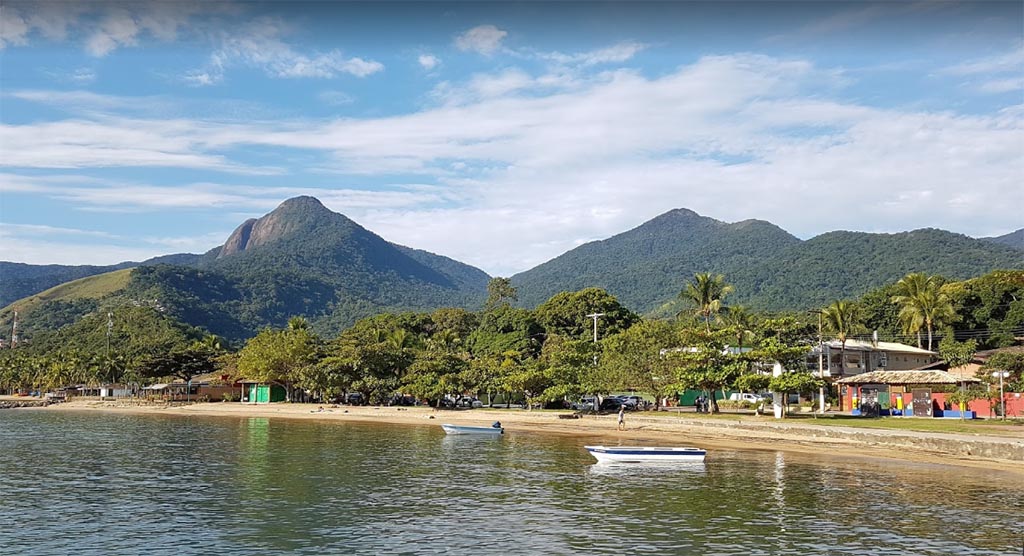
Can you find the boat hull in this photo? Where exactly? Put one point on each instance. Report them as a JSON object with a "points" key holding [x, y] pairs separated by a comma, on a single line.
{"points": [[462, 429], [639, 454]]}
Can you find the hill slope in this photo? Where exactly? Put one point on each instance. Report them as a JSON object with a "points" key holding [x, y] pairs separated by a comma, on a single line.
{"points": [[647, 266], [1012, 239]]}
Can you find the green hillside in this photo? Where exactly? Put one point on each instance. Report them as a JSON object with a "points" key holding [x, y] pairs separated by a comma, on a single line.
{"points": [[647, 266], [64, 304]]}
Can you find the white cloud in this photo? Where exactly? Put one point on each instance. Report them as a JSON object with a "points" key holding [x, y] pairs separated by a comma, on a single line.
{"points": [[335, 98], [7, 228], [1003, 85], [1001, 73], [620, 52], [522, 177], [484, 39], [1012, 61], [428, 61], [260, 44]]}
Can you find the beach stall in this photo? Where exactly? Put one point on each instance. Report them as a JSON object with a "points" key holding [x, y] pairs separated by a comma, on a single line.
{"points": [[906, 393], [262, 392]]}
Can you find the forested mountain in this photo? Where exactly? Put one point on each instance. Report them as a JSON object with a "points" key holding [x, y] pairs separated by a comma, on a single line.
{"points": [[647, 266], [300, 259], [1013, 239]]}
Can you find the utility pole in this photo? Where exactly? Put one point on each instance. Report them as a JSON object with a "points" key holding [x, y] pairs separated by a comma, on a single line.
{"points": [[595, 316], [1002, 397], [821, 367], [110, 328], [597, 402]]}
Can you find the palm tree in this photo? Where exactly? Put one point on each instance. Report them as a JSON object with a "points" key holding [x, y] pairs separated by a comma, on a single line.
{"points": [[908, 288], [706, 292], [843, 319], [298, 323], [922, 304], [742, 321]]}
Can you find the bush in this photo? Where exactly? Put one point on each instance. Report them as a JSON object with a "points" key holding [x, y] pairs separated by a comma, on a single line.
{"points": [[729, 404], [230, 397]]}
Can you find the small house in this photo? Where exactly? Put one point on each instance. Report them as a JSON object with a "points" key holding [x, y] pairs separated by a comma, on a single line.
{"points": [[262, 392]]}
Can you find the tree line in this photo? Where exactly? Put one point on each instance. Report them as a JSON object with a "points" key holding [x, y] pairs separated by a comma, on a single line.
{"points": [[542, 356]]}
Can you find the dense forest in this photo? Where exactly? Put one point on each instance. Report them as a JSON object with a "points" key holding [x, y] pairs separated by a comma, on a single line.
{"points": [[542, 356]]}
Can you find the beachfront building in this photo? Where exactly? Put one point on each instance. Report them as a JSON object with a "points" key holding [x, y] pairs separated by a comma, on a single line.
{"points": [[262, 392], [907, 393], [862, 356]]}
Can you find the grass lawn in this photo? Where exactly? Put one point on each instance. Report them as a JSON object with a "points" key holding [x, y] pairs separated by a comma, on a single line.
{"points": [[974, 426]]}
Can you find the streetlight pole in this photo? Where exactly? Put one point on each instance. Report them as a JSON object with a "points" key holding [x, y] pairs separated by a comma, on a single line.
{"points": [[1002, 397], [595, 316]]}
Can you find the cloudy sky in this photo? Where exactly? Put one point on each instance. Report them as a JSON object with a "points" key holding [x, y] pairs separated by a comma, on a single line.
{"points": [[502, 134]]}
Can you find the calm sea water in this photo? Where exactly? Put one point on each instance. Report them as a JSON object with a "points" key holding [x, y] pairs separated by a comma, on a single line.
{"points": [[102, 484]]}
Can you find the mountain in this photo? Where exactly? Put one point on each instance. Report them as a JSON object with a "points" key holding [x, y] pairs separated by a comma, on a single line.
{"points": [[300, 259], [1012, 239], [646, 267]]}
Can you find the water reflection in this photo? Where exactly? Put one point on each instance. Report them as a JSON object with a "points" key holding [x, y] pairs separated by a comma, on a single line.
{"points": [[161, 485], [647, 469]]}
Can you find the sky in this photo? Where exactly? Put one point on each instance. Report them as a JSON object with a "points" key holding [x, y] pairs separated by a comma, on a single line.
{"points": [[502, 134]]}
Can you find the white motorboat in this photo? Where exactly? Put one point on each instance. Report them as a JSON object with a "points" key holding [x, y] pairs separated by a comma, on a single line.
{"points": [[637, 454], [463, 429]]}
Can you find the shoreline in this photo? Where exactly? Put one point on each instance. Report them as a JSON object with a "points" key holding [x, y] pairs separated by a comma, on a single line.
{"points": [[976, 451]]}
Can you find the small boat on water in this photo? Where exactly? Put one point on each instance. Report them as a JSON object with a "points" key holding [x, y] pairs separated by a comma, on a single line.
{"points": [[637, 454], [463, 429]]}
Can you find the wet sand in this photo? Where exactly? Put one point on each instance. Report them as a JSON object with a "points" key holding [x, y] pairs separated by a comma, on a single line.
{"points": [[1005, 453]]}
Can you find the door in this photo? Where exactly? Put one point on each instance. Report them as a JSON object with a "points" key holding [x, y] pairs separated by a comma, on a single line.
{"points": [[263, 393], [922, 403]]}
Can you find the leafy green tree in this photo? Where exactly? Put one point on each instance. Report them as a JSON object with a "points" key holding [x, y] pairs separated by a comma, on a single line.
{"points": [[435, 374], [1011, 362], [506, 329], [794, 381], [843, 319], [638, 356], [957, 354], [566, 313], [185, 363], [707, 294], [703, 364], [500, 292], [279, 356], [568, 366]]}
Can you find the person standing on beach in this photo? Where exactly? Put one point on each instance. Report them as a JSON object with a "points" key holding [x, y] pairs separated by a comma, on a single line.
{"points": [[622, 417]]}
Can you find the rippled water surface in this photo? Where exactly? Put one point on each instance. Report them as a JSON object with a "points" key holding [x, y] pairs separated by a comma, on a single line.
{"points": [[103, 484]]}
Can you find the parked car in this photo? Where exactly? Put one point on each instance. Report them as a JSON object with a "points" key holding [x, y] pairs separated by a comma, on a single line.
{"points": [[355, 398], [468, 402], [611, 404], [586, 403], [745, 397], [633, 402]]}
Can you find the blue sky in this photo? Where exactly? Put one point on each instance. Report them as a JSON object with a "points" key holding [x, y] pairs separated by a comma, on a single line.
{"points": [[502, 134]]}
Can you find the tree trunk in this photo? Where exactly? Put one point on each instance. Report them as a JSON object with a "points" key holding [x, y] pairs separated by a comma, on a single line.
{"points": [[929, 323]]}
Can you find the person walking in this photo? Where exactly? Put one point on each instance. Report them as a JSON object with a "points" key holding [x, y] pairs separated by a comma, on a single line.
{"points": [[622, 417]]}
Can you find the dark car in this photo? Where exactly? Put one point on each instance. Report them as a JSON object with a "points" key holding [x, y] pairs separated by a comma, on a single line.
{"points": [[355, 398], [610, 404]]}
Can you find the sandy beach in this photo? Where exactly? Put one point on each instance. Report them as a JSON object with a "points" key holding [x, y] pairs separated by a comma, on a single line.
{"points": [[1004, 453]]}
